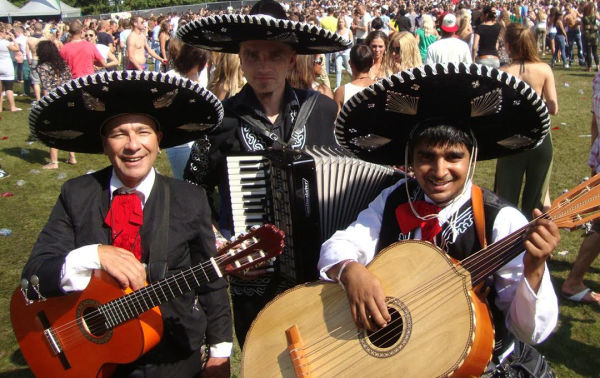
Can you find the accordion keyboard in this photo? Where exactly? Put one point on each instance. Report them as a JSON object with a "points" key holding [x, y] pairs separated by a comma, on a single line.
{"points": [[250, 190]]}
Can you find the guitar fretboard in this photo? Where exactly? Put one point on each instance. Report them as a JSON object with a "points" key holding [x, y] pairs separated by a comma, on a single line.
{"points": [[129, 306]]}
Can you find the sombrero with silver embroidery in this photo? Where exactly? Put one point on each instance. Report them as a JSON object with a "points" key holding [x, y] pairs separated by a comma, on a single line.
{"points": [[71, 117], [267, 21], [504, 114]]}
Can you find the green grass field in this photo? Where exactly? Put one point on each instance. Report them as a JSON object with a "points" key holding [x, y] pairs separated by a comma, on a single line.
{"points": [[573, 349]]}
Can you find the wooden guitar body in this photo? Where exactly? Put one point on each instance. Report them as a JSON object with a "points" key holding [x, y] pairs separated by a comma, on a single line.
{"points": [[439, 326], [87, 333], [85, 354]]}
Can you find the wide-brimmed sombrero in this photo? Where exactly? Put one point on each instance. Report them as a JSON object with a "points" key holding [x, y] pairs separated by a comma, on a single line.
{"points": [[504, 114], [71, 117], [267, 21]]}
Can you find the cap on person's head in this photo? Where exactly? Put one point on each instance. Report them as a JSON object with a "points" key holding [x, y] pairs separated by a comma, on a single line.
{"points": [[449, 24]]}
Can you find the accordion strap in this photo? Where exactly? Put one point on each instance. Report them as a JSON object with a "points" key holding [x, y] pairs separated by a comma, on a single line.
{"points": [[303, 114]]}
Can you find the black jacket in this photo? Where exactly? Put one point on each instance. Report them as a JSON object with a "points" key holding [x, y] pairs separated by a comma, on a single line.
{"points": [[78, 220], [207, 165]]}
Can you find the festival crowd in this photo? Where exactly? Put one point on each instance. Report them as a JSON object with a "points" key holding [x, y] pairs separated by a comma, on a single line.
{"points": [[295, 105]]}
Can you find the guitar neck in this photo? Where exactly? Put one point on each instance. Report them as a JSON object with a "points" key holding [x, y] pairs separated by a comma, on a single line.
{"points": [[487, 261], [133, 304]]}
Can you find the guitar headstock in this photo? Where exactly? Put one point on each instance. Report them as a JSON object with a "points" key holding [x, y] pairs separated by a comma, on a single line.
{"points": [[578, 206], [251, 249]]}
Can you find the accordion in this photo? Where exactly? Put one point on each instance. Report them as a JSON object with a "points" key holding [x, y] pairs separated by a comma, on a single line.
{"points": [[309, 194]]}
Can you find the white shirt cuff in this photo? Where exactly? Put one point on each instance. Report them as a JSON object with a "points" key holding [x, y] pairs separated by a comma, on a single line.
{"points": [[533, 316], [77, 269], [221, 350]]}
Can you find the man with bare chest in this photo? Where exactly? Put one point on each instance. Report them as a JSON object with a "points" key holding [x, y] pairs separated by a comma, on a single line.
{"points": [[573, 23], [137, 45], [32, 58]]}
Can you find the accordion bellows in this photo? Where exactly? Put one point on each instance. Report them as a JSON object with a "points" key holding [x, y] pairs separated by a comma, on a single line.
{"points": [[309, 194]]}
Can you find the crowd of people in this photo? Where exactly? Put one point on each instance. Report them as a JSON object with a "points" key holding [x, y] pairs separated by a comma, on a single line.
{"points": [[276, 93]]}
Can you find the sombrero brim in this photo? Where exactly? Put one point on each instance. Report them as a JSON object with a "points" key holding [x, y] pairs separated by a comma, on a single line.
{"points": [[71, 117], [504, 113], [224, 33]]}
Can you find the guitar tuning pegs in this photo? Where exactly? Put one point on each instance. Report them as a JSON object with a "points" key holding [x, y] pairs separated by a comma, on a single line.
{"points": [[24, 287], [35, 284]]}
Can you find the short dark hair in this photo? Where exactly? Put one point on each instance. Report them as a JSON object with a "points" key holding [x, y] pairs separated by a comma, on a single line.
{"points": [[438, 132], [377, 23], [361, 57]]}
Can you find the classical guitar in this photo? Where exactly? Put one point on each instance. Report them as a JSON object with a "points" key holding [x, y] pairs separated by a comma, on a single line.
{"points": [[78, 335], [440, 326]]}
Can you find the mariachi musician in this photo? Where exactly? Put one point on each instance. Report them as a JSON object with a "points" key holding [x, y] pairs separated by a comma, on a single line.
{"points": [[266, 114], [115, 219], [440, 120]]}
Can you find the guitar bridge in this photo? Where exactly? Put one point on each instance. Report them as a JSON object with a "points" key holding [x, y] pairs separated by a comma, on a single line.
{"points": [[52, 342], [297, 353]]}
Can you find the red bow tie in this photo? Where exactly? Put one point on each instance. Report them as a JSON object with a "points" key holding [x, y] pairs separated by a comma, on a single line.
{"points": [[408, 221], [125, 218]]}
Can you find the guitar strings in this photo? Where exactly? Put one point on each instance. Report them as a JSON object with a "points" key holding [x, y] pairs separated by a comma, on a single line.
{"points": [[94, 320], [391, 328]]}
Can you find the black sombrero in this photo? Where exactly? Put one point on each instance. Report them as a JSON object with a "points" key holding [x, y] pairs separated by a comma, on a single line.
{"points": [[71, 117], [504, 113], [267, 21]]}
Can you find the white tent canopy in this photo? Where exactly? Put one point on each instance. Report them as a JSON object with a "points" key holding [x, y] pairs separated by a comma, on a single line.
{"points": [[36, 8], [7, 8]]}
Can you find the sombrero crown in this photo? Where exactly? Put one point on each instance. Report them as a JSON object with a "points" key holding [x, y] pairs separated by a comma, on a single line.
{"points": [[504, 114], [266, 22], [71, 117]]}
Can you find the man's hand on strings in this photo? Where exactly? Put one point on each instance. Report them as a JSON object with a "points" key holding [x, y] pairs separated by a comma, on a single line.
{"points": [[542, 238], [365, 296], [123, 266]]}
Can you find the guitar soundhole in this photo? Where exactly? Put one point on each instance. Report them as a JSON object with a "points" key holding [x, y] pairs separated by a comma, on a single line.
{"points": [[388, 336], [388, 341], [92, 323]]}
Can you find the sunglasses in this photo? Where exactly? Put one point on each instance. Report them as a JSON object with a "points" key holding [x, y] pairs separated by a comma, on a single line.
{"points": [[318, 61], [89, 35], [395, 49]]}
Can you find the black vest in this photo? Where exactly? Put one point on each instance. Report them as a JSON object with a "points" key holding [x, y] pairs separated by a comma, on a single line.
{"points": [[465, 244]]}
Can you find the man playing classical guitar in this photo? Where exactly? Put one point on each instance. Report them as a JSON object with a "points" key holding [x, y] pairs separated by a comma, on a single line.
{"points": [[129, 116], [436, 121]]}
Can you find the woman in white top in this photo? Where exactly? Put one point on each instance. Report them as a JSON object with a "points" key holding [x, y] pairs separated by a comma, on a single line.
{"points": [[342, 58], [361, 61], [7, 70]]}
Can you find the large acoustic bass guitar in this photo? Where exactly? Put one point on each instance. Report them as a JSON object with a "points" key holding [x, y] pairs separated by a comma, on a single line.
{"points": [[87, 333], [440, 326]]}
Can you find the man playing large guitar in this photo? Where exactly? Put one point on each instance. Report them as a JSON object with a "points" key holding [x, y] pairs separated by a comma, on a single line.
{"points": [[127, 217], [441, 120]]}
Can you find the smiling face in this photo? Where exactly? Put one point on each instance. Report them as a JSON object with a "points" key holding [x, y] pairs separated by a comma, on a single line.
{"points": [[131, 143], [441, 170], [266, 64]]}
